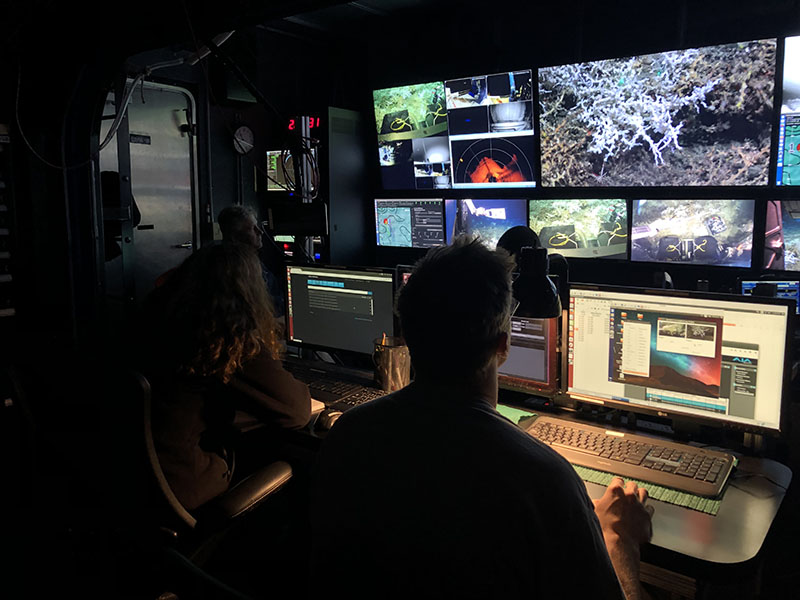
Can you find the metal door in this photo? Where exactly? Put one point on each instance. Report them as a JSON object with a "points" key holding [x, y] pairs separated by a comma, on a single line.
{"points": [[162, 156]]}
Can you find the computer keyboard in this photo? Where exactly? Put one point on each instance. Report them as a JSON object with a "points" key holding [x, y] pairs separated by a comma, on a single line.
{"points": [[330, 388], [686, 468]]}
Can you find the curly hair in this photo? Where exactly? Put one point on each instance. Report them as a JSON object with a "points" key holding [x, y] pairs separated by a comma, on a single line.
{"points": [[214, 312]]}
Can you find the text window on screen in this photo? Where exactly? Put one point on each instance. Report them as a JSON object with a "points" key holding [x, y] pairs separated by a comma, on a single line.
{"points": [[324, 296], [704, 357], [339, 309]]}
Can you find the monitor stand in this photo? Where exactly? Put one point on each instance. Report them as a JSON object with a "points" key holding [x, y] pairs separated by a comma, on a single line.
{"points": [[754, 442]]}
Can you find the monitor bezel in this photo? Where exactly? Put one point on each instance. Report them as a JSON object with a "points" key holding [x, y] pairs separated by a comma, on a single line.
{"points": [[335, 268], [677, 416]]}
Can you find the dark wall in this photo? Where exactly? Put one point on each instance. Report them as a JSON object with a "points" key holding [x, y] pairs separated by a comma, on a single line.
{"points": [[66, 62]]}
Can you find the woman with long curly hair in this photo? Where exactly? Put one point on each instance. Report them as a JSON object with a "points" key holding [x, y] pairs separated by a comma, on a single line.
{"points": [[212, 347]]}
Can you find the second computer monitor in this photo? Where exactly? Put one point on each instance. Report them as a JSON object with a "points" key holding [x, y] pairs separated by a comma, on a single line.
{"points": [[714, 358], [531, 363], [783, 289], [338, 308]]}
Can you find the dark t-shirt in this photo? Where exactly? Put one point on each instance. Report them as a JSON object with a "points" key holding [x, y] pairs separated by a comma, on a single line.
{"points": [[420, 495]]}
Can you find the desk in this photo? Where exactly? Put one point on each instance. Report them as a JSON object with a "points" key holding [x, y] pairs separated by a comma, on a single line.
{"points": [[734, 536], [749, 504]]}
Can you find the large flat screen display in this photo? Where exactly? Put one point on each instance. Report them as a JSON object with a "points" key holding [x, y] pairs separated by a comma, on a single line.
{"points": [[716, 358], [474, 132], [487, 219], [490, 123], [782, 235], [788, 163], [409, 223], [713, 232], [695, 117], [582, 228], [413, 148]]}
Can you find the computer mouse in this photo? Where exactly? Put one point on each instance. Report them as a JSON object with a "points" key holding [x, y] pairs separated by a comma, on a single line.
{"points": [[328, 418]]}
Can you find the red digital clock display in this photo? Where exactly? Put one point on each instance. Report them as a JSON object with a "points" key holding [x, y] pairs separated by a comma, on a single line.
{"points": [[312, 123]]}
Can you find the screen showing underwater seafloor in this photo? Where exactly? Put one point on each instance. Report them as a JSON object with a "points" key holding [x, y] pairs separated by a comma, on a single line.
{"points": [[713, 232], [695, 117], [582, 228]]}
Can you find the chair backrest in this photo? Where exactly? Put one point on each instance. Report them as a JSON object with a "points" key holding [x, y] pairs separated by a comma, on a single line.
{"points": [[163, 489]]}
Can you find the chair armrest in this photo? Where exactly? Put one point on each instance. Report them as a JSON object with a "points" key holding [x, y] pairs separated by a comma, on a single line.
{"points": [[249, 492]]}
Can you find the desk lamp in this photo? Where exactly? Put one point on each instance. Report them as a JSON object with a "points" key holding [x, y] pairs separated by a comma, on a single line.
{"points": [[533, 289]]}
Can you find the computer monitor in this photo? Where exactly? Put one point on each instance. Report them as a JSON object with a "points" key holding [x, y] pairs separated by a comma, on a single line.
{"points": [[582, 228], [278, 165], [473, 132], [409, 223], [531, 363], [700, 116], [782, 235], [411, 124], [788, 163], [784, 289], [710, 232], [490, 124], [710, 358], [488, 219], [338, 308]]}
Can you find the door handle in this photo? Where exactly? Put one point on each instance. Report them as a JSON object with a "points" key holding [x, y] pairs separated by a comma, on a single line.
{"points": [[186, 245]]}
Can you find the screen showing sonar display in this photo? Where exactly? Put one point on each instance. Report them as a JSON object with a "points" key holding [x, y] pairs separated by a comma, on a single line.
{"points": [[472, 132], [716, 232], [582, 228], [490, 124], [693, 117]]}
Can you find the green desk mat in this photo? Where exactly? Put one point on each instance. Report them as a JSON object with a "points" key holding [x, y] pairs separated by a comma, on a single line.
{"points": [[513, 414], [707, 505]]}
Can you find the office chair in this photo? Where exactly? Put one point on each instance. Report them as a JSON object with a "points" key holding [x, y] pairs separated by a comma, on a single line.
{"points": [[176, 542]]}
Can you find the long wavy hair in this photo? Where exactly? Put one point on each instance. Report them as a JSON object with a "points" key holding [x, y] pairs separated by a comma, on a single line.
{"points": [[213, 314]]}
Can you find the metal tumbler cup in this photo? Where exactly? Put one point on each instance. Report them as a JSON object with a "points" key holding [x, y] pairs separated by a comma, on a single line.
{"points": [[392, 363]]}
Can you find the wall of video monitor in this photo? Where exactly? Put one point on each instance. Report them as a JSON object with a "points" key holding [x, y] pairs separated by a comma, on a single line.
{"points": [[473, 132], [699, 118]]}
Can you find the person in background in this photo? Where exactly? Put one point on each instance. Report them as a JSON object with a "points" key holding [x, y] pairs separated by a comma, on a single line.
{"points": [[239, 225], [436, 495], [210, 347]]}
